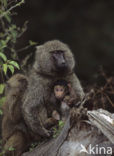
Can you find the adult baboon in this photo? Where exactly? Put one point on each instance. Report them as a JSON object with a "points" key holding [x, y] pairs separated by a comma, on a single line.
{"points": [[13, 126], [53, 61]]}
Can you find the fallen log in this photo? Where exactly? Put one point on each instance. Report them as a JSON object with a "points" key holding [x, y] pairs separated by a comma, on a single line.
{"points": [[81, 136]]}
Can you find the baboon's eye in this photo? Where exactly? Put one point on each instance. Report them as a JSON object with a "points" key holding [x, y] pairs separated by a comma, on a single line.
{"points": [[61, 90], [58, 57], [57, 51]]}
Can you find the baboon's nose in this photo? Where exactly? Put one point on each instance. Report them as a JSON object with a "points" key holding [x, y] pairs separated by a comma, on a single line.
{"points": [[64, 65]]}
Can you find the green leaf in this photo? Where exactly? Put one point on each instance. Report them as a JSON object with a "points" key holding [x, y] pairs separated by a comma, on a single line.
{"points": [[3, 43], [14, 35], [2, 86], [11, 68], [8, 39], [11, 149], [2, 100], [15, 64], [32, 43], [5, 67], [3, 56], [61, 123]]}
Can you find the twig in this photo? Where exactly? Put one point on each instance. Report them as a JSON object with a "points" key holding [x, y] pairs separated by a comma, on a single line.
{"points": [[22, 49], [108, 98], [24, 62], [86, 97], [23, 29], [10, 9]]}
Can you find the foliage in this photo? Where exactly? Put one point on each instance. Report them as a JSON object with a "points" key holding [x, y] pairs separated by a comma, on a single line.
{"points": [[56, 131], [9, 33], [8, 37], [11, 149], [33, 145]]}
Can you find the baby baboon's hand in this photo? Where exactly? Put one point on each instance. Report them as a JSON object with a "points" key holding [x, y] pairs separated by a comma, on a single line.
{"points": [[55, 115]]}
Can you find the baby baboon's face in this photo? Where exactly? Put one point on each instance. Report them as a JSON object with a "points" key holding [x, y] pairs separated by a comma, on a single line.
{"points": [[59, 92]]}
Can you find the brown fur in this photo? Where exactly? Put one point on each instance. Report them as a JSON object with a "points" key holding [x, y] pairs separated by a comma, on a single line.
{"points": [[13, 127]]}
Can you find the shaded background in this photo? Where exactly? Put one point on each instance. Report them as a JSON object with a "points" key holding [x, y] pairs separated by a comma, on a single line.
{"points": [[87, 26]]}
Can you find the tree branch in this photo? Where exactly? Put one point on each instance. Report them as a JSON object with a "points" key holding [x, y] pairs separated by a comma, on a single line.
{"points": [[11, 8]]}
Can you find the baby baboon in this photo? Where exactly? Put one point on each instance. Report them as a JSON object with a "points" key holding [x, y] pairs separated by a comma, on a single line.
{"points": [[63, 93], [13, 127], [31, 112]]}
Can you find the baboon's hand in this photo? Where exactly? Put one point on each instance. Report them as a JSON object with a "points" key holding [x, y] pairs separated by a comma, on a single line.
{"points": [[55, 115]]}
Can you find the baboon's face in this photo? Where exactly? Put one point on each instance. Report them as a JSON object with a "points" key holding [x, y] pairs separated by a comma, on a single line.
{"points": [[16, 85], [59, 61], [54, 58]]}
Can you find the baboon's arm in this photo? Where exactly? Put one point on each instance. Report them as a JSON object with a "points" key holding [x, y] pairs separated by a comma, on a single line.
{"points": [[75, 83], [34, 111]]}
